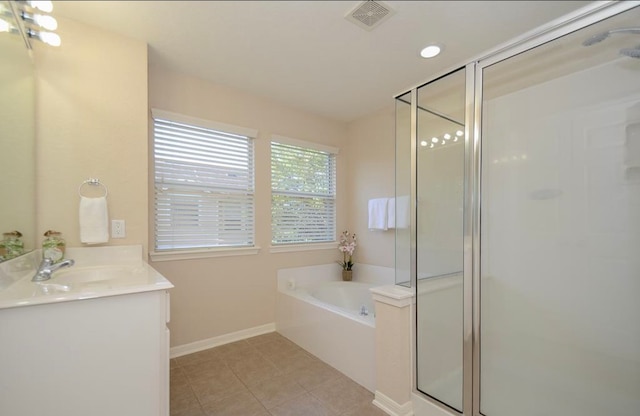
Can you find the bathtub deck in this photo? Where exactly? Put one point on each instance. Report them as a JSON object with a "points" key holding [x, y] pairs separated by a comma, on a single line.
{"points": [[262, 376]]}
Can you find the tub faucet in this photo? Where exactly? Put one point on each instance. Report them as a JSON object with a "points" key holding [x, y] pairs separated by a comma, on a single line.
{"points": [[47, 268], [364, 311]]}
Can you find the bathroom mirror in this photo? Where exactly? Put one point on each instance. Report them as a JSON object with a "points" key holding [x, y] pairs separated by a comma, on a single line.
{"points": [[17, 139]]}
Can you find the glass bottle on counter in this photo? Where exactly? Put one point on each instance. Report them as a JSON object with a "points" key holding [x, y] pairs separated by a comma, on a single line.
{"points": [[11, 245], [53, 246]]}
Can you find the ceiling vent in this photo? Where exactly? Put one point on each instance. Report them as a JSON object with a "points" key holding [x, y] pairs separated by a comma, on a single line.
{"points": [[369, 14]]}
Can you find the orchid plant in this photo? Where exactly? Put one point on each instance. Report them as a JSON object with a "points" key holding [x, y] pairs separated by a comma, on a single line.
{"points": [[347, 246]]}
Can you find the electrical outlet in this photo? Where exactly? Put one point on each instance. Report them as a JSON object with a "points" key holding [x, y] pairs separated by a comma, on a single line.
{"points": [[118, 229]]}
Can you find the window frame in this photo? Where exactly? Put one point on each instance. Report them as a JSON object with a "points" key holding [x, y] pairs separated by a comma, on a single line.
{"points": [[200, 252], [277, 247]]}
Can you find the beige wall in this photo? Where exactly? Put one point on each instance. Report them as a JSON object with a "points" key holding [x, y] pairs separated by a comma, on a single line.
{"points": [[93, 101], [91, 109], [371, 174], [217, 296]]}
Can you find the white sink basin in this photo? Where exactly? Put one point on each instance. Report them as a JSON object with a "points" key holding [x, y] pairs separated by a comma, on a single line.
{"points": [[97, 275], [98, 272]]}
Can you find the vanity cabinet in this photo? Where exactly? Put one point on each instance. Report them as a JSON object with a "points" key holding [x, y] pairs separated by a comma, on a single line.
{"points": [[105, 356]]}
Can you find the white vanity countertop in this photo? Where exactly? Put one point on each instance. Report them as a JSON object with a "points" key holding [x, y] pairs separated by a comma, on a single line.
{"points": [[98, 272]]}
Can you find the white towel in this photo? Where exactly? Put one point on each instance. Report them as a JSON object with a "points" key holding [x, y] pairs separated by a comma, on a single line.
{"points": [[402, 212], [94, 220], [391, 213], [378, 213]]}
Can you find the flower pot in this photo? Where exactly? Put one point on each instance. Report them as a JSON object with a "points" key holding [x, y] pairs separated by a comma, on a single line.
{"points": [[347, 275]]}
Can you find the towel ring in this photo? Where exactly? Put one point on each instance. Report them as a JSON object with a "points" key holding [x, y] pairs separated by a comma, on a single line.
{"points": [[93, 182]]}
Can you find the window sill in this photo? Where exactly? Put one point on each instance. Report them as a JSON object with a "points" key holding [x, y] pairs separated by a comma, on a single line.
{"points": [[203, 254], [290, 248]]}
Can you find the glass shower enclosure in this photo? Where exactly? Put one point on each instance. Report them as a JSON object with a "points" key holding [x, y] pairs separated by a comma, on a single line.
{"points": [[522, 173]]}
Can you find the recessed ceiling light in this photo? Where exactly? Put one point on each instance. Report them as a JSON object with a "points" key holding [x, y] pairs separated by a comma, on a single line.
{"points": [[423, 143], [430, 51]]}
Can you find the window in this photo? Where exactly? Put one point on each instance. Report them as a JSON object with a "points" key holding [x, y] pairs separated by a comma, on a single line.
{"points": [[204, 183], [303, 192]]}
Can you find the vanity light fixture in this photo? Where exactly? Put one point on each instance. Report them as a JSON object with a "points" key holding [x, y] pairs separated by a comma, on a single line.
{"points": [[28, 20], [43, 6], [4, 26], [431, 51], [49, 38]]}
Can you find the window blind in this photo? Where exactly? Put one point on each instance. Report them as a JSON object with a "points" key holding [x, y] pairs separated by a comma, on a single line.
{"points": [[204, 186], [303, 193]]}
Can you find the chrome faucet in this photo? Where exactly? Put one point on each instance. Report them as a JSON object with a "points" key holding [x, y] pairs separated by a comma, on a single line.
{"points": [[47, 268], [364, 311]]}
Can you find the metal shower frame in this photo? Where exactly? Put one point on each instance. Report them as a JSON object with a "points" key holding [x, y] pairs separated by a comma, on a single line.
{"points": [[590, 14]]}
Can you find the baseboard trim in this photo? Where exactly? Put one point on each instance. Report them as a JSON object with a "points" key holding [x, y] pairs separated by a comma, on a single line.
{"points": [[205, 344], [392, 408]]}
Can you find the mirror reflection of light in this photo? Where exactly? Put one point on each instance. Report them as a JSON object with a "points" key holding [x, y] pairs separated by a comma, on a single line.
{"points": [[4, 26], [45, 6], [459, 133], [434, 140], [447, 136], [46, 22], [50, 38], [423, 143]]}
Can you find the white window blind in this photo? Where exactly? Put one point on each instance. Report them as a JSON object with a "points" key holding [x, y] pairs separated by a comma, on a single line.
{"points": [[204, 184], [303, 194]]}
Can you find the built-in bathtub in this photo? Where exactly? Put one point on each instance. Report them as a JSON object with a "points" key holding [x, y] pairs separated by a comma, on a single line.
{"points": [[324, 315]]}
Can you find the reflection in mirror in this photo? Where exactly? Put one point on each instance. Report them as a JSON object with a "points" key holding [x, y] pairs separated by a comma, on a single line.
{"points": [[17, 141]]}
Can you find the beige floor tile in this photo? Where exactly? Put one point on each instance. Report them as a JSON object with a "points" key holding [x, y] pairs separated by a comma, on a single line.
{"points": [[260, 339], [292, 361], [218, 386], [182, 400], [278, 348], [204, 370], [177, 391], [315, 374], [254, 370], [241, 404], [276, 391], [304, 405], [177, 376], [195, 411], [342, 394], [198, 357], [367, 409], [173, 363]]}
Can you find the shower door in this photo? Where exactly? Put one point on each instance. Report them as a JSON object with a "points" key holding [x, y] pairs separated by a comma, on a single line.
{"points": [[559, 313], [440, 155]]}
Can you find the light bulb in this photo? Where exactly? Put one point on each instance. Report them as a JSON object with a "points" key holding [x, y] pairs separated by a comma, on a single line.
{"points": [[46, 22], [447, 136], [435, 140], [455, 140], [4, 26], [45, 6], [459, 133], [50, 38], [431, 147], [423, 143]]}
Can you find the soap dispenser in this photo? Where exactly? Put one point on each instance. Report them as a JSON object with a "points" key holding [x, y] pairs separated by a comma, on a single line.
{"points": [[53, 246]]}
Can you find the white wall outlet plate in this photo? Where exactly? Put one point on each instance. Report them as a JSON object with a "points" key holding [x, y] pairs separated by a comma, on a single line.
{"points": [[118, 229]]}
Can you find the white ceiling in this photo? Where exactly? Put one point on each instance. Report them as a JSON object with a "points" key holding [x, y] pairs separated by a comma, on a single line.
{"points": [[305, 54]]}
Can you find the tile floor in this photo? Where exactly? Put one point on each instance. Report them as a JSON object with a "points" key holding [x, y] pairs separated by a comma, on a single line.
{"points": [[262, 376]]}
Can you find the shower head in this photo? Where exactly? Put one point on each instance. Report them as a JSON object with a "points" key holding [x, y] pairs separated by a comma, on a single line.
{"points": [[631, 52], [602, 36]]}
